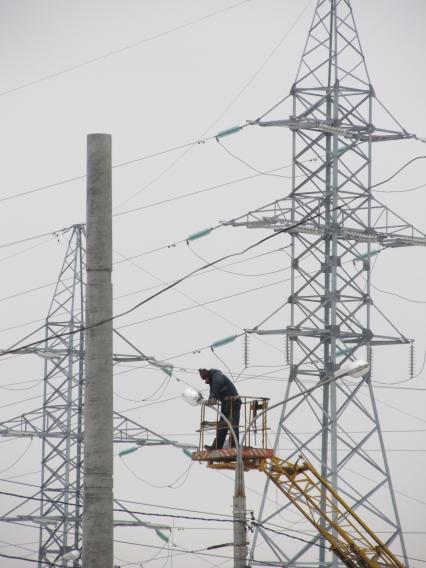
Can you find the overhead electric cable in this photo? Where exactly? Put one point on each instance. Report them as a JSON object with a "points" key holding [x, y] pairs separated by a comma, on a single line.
{"points": [[155, 505], [21, 252], [239, 273], [398, 295], [50, 233], [255, 523], [124, 48], [39, 562], [114, 166], [126, 510], [199, 191], [398, 171], [228, 297], [402, 190], [154, 485], [259, 172]]}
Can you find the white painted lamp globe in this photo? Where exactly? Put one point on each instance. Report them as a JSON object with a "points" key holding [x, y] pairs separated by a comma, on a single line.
{"points": [[192, 396], [356, 369]]}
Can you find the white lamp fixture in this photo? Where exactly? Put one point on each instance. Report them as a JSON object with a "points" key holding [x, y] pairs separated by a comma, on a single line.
{"points": [[354, 369], [192, 396], [71, 555]]}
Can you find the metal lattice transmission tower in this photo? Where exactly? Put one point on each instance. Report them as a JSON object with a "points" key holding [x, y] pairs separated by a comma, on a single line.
{"points": [[330, 318], [61, 473], [57, 506]]}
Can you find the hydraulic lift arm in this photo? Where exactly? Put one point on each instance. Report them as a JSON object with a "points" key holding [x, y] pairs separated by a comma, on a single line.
{"points": [[350, 538]]}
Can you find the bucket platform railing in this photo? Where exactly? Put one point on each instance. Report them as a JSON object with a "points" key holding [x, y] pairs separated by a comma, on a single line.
{"points": [[255, 449]]}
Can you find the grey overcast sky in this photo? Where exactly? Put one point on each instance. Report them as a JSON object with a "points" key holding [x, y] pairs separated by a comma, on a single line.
{"points": [[155, 75]]}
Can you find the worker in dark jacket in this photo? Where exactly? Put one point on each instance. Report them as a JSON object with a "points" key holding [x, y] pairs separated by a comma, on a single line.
{"points": [[224, 391]]}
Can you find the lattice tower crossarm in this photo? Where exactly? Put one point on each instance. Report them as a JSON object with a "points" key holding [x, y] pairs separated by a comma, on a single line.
{"points": [[333, 221]]}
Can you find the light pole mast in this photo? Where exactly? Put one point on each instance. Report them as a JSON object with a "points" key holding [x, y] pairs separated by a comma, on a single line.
{"points": [[335, 221]]}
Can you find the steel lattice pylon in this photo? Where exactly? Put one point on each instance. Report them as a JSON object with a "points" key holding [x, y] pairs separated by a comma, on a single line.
{"points": [[57, 505], [333, 220], [61, 477]]}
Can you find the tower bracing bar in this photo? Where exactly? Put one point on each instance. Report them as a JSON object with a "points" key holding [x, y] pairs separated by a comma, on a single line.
{"points": [[336, 227]]}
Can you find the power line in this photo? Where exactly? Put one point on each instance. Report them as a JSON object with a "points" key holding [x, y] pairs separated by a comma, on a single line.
{"points": [[126, 510], [289, 535], [200, 191], [19, 458], [173, 508], [123, 49], [259, 172], [114, 166], [119, 501], [10, 557], [236, 294], [170, 485], [50, 233], [398, 171], [402, 190], [394, 293], [21, 252], [239, 273]]}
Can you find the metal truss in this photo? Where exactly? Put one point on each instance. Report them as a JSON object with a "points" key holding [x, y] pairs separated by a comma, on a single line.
{"points": [[333, 222], [57, 506]]}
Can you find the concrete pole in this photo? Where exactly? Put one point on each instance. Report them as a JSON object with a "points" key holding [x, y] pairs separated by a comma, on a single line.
{"points": [[98, 414], [239, 500], [239, 515]]}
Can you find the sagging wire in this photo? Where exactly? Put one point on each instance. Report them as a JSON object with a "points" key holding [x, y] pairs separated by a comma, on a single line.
{"points": [[213, 350], [127, 47], [261, 172], [19, 458], [170, 485], [54, 233], [221, 519], [164, 385], [196, 254], [198, 192], [401, 381], [36, 381], [398, 171], [402, 190]]}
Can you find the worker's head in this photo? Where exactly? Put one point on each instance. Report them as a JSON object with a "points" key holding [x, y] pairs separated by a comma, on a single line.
{"points": [[205, 375]]}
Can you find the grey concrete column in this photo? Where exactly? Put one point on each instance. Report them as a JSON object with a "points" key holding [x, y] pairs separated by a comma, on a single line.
{"points": [[240, 537], [98, 413]]}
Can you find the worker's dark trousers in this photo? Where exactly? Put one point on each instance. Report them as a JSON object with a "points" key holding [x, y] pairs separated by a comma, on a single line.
{"points": [[231, 409]]}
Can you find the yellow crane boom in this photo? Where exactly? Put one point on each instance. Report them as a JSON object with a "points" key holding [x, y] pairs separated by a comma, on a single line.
{"points": [[350, 538]]}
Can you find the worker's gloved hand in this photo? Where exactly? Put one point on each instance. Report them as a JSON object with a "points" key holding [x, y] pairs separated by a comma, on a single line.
{"points": [[211, 402]]}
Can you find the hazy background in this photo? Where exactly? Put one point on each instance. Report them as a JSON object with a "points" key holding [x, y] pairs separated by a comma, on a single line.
{"points": [[163, 92]]}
